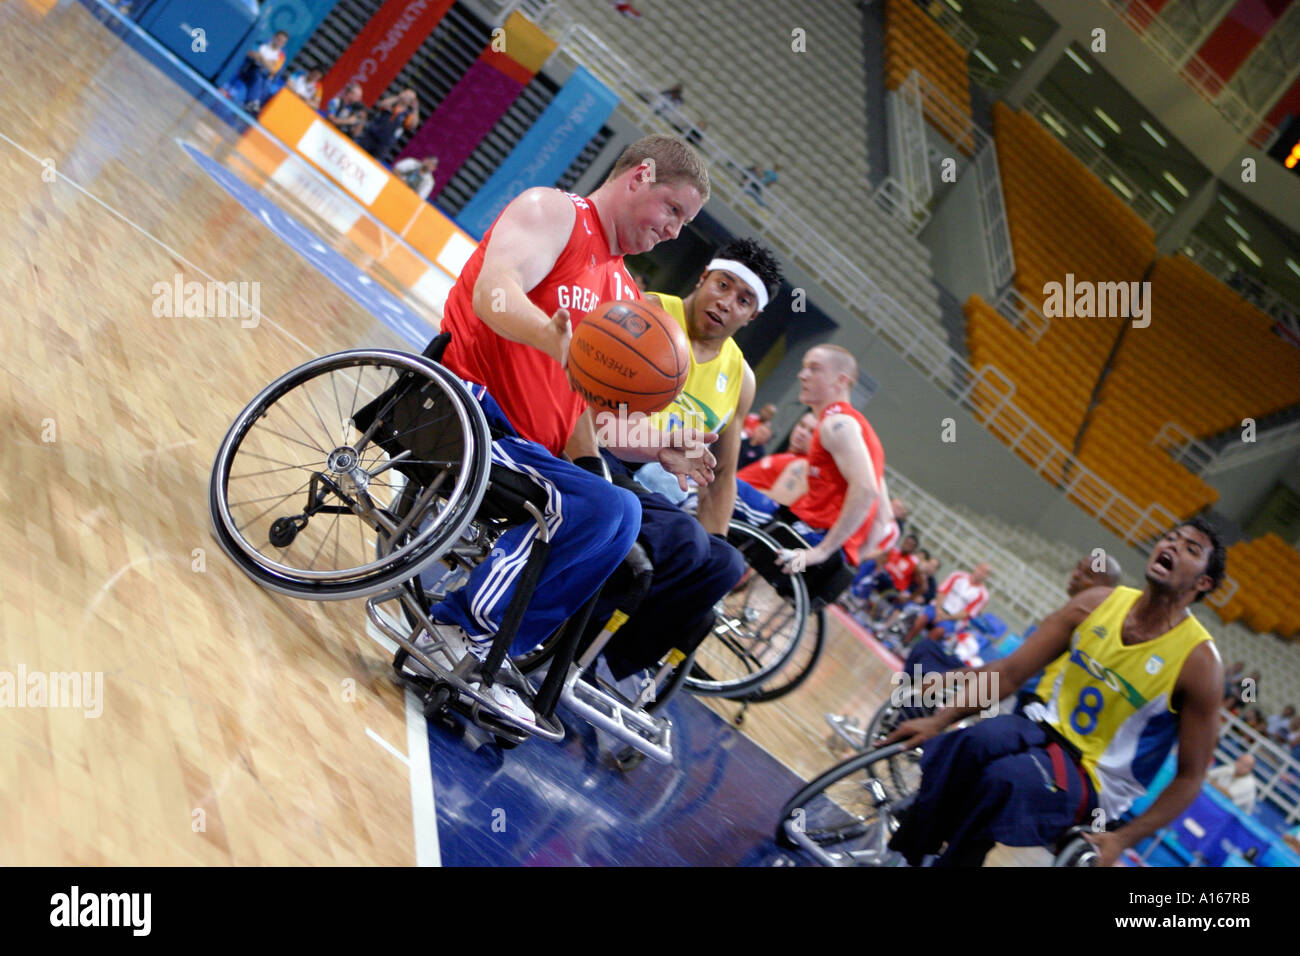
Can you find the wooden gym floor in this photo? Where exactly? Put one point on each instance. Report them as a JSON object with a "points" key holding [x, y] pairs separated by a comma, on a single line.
{"points": [[238, 726]]}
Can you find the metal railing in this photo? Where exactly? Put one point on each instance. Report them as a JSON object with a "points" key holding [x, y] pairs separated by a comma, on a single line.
{"points": [[953, 25], [1192, 454], [1276, 772], [1088, 153], [909, 145], [1022, 313], [1014, 583], [1169, 47]]}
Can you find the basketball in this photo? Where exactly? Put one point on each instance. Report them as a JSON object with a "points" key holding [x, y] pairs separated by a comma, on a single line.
{"points": [[629, 353]]}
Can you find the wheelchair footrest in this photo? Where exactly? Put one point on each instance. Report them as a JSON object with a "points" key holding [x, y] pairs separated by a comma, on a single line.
{"points": [[650, 735]]}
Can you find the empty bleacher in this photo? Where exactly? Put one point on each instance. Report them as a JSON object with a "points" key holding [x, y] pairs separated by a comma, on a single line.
{"points": [[762, 103], [914, 41], [1266, 570]]}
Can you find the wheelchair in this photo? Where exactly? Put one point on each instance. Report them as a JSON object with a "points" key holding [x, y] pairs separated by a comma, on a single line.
{"points": [[847, 815], [762, 647], [367, 474]]}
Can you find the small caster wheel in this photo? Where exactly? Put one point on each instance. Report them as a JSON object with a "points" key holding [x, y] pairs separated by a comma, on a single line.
{"points": [[628, 759], [739, 720], [435, 702]]}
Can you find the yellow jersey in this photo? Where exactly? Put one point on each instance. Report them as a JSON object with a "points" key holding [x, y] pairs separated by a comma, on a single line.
{"points": [[1114, 701], [709, 398]]}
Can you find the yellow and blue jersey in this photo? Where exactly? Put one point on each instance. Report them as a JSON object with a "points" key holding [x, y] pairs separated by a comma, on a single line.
{"points": [[709, 398], [1114, 701]]}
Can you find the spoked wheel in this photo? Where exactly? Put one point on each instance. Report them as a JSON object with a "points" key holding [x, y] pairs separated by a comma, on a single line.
{"points": [[846, 816], [306, 483], [759, 624], [904, 767], [796, 669]]}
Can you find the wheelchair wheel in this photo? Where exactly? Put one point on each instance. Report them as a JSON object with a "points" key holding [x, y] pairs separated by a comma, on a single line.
{"points": [[306, 484], [796, 670], [904, 767], [845, 816], [760, 623]]}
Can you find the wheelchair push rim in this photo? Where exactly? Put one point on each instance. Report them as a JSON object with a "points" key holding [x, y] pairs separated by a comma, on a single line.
{"points": [[321, 465], [759, 627]]}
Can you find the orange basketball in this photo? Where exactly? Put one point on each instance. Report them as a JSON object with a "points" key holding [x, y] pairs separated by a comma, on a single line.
{"points": [[629, 353]]}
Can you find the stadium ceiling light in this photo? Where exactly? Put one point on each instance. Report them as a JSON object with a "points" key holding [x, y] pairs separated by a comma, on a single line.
{"points": [[1229, 203], [1119, 185], [1050, 120], [955, 5], [1151, 131], [1087, 131], [1249, 253], [1078, 60], [1162, 201], [1291, 264], [1169, 178], [986, 61], [1028, 44], [1105, 118], [1015, 63], [1236, 227]]}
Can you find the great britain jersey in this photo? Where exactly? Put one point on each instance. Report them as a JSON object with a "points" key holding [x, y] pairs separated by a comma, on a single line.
{"points": [[529, 385], [821, 504]]}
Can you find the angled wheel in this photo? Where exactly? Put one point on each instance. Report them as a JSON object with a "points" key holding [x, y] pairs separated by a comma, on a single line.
{"points": [[759, 624], [845, 816], [797, 667], [305, 487]]}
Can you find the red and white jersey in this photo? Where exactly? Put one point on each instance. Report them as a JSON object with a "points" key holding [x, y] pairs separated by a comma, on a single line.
{"points": [[900, 567], [763, 474], [959, 595], [528, 384], [820, 505]]}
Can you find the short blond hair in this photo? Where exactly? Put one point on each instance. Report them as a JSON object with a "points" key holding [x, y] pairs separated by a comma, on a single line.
{"points": [[674, 162], [843, 361]]}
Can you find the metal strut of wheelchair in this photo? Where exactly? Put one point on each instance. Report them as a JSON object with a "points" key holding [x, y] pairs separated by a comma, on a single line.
{"points": [[357, 473]]}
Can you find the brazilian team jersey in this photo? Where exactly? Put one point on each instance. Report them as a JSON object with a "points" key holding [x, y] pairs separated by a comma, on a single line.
{"points": [[712, 390], [1114, 701]]}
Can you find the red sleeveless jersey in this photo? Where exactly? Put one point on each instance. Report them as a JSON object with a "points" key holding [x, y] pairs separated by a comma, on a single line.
{"points": [[528, 384], [821, 504]]}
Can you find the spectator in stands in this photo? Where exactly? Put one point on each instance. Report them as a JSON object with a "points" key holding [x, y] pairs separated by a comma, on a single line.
{"points": [[755, 434], [307, 86], [629, 11], [669, 99], [896, 579], [347, 111], [962, 596], [1279, 725], [1236, 782], [417, 173], [252, 84], [391, 117], [1233, 679]]}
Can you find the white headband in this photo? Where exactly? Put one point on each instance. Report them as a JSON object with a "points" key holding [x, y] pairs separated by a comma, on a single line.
{"points": [[745, 275]]}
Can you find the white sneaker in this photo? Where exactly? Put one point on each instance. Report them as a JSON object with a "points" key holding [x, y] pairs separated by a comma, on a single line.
{"points": [[508, 700], [455, 644]]}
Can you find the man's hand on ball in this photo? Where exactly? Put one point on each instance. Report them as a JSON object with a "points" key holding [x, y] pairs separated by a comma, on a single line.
{"points": [[559, 333], [688, 456]]}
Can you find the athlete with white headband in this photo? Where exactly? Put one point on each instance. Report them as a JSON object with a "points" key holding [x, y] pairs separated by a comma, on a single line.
{"points": [[694, 566]]}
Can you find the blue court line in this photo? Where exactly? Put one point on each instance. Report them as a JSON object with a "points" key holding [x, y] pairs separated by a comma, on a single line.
{"points": [[363, 290]]}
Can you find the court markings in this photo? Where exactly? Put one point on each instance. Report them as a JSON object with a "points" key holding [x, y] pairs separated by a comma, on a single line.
{"points": [[427, 852]]}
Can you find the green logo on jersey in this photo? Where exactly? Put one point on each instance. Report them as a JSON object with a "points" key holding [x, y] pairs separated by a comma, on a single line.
{"points": [[1109, 677]]}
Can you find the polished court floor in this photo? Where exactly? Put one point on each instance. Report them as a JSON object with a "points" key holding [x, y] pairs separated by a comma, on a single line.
{"points": [[238, 726]]}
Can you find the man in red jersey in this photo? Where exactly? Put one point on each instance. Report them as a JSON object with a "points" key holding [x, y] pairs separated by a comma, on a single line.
{"points": [[545, 263], [846, 494]]}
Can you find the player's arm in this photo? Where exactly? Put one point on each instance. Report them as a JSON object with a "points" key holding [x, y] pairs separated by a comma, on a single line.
{"points": [[719, 498], [526, 243], [582, 442], [1200, 684], [792, 484], [1050, 641], [841, 436]]}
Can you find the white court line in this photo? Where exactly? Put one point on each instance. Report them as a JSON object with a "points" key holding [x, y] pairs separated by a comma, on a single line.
{"points": [[423, 807], [387, 746]]}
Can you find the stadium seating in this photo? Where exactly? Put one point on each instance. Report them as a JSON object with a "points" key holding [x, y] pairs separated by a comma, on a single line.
{"points": [[809, 116], [1266, 570], [914, 41]]}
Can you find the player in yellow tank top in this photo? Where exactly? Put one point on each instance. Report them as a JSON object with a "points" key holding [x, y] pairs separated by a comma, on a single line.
{"points": [[710, 398], [1133, 674]]}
